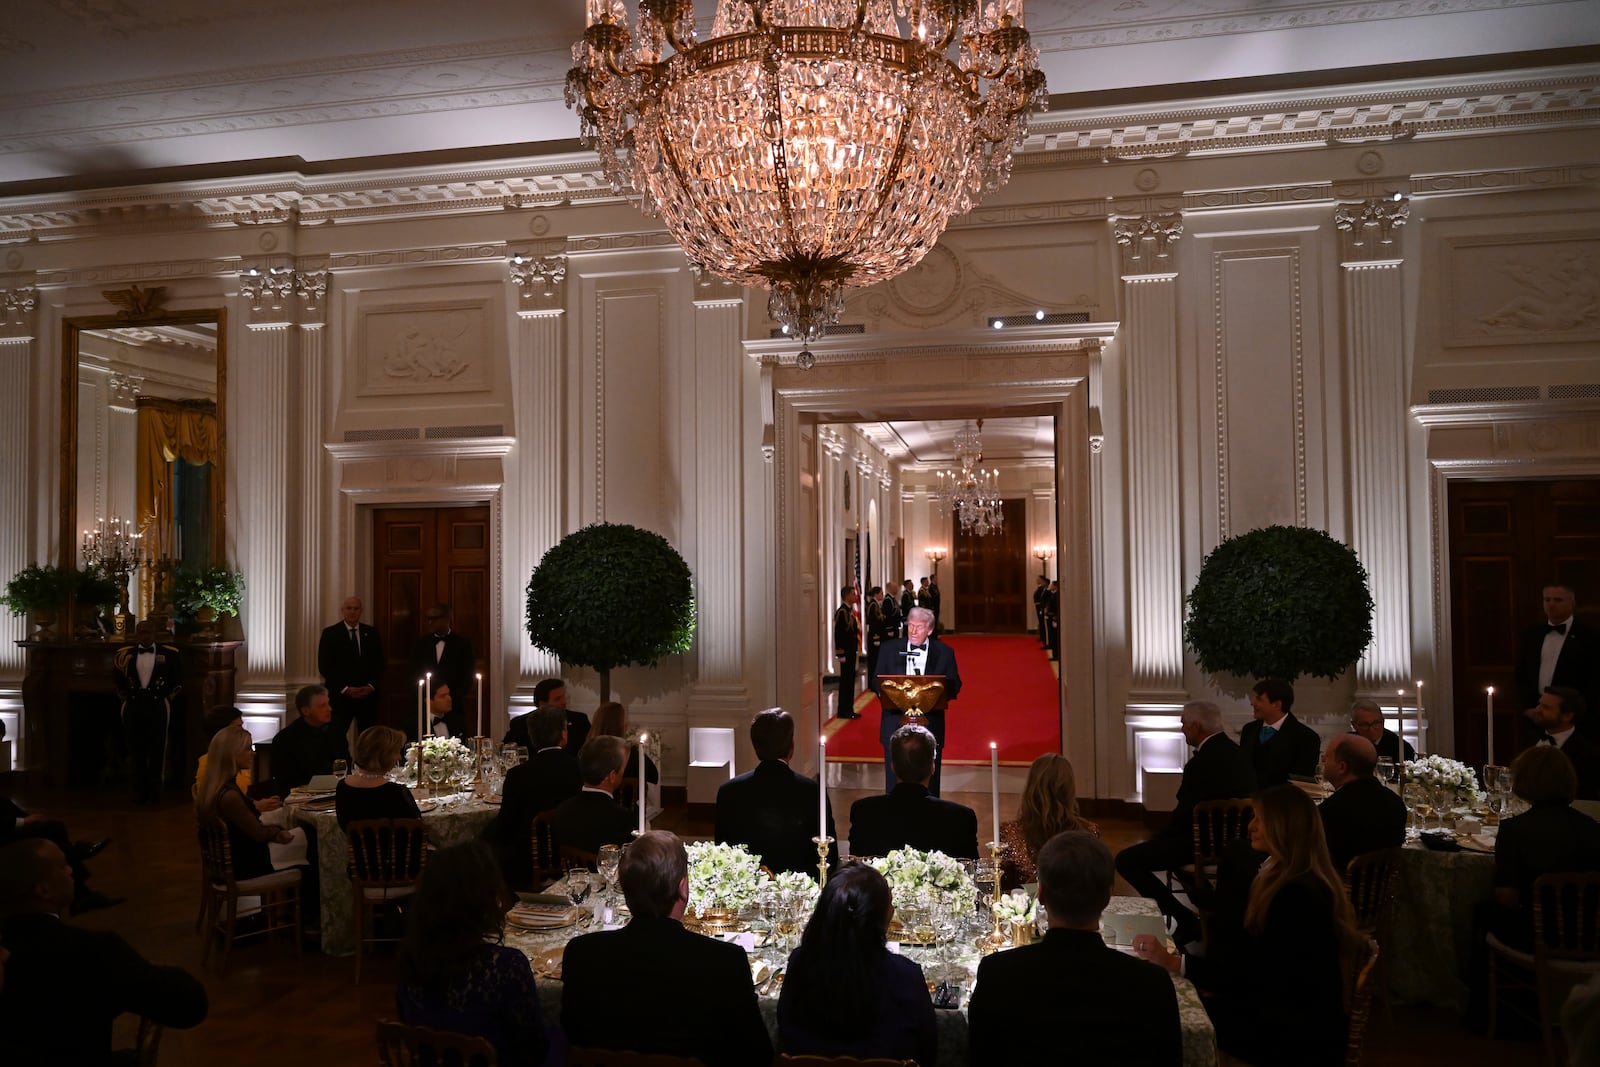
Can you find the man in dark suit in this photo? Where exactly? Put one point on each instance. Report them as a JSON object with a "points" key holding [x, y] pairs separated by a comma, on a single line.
{"points": [[592, 817], [351, 661], [1559, 651], [935, 599], [65, 985], [1071, 997], [686, 995], [1558, 713], [919, 652], [148, 677], [883, 624], [1218, 770], [908, 600], [772, 810], [443, 718], [19, 824], [1363, 814], [1366, 719], [550, 776], [444, 654], [308, 746], [910, 816], [847, 648], [1041, 593], [1277, 743], [551, 693]]}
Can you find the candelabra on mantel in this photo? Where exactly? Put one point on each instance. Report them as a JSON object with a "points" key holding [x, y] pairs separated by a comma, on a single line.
{"points": [[113, 546]]}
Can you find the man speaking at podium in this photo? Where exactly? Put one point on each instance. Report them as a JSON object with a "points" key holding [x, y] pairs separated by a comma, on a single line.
{"points": [[918, 653]]}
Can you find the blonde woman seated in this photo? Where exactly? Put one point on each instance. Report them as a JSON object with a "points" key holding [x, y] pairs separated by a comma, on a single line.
{"points": [[216, 719], [219, 798], [367, 793], [611, 720], [1049, 806]]}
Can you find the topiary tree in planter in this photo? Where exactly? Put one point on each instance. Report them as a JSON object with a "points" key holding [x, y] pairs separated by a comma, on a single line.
{"points": [[40, 591], [611, 595], [1279, 602]]}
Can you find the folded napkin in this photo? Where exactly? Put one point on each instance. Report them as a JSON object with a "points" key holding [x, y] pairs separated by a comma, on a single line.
{"points": [[292, 854]]}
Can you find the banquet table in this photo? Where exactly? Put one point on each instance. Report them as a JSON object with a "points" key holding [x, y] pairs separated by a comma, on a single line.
{"points": [[456, 817], [1199, 1038], [1430, 931]]}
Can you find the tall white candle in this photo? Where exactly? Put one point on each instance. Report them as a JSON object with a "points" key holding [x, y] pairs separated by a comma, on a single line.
{"points": [[822, 787], [994, 785], [1419, 718], [642, 739], [479, 677], [1400, 721], [421, 714], [427, 680], [1490, 692]]}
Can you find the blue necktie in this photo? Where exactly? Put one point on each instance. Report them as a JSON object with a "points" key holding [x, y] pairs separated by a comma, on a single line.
{"points": [[1268, 733]]}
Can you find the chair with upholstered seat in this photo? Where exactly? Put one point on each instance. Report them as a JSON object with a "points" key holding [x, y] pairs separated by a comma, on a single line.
{"points": [[400, 1045], [546, 852], [275, 897], [1566, 947], [604, 1057], [1217, 824], [1370, 881], [386, 860]]}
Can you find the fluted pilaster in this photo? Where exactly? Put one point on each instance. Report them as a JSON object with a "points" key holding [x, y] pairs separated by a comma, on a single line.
{"points": [[258, 405], [533, 499], [311, 462], [18, 392]]}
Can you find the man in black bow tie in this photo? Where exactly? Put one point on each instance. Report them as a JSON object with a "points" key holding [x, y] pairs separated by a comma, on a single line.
{"points": [[1557, 715], [1562, 651], [919, 652], [147, 676]]}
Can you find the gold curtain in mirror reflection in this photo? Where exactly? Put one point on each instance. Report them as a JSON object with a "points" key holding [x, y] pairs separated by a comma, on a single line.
{"points": [[170, 431]]}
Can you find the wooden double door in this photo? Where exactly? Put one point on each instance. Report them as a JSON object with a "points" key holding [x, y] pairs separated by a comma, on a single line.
{"points": [[992, 583], [422, 557]]}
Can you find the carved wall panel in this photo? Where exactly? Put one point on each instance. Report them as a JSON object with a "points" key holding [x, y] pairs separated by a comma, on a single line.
{"points": [[1522, 291], [426, 348]]}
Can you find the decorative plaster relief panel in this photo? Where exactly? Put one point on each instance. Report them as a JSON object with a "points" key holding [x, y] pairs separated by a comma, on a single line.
{"points": [[1505, 291], [428, 348]]}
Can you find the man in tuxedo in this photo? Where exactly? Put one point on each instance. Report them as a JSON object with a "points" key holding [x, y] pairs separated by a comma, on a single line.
{"points": [[919, 652], [1041, 593], [443, 719], [1366, 720], [1560, 651], [550, 776], [685, 994], [847, 647], [909, 816], [444, 654], [551, 693], [883, 624], [351, 661], [592, 817], [1277, 743], [1363, 814], [148, 677], [1218, 770], [65, 985], [308, 746], [908, 600], [934, 600], [1557, 714], [1071, 997], [772, 810]]}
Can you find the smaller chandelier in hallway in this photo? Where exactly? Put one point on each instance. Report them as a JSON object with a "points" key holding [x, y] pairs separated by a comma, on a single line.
{"points": [[806, 146], [972, 492]]}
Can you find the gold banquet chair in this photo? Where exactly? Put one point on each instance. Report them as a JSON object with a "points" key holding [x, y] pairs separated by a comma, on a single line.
{"points": [[276, 895], [400, 1045], [386, 860], [1566, 946], [1370, 881], [1358, 999], [546, 851]]}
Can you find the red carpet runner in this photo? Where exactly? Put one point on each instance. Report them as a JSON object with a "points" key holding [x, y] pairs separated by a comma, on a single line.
{"points": [[1008, 695]]}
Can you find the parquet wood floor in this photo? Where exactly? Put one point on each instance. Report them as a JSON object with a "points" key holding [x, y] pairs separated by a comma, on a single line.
{"points": [[268, 1009]]}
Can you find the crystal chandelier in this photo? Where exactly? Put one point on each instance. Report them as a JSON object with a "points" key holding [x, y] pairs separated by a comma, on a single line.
{"points": [[972, 492], [807, 146]]}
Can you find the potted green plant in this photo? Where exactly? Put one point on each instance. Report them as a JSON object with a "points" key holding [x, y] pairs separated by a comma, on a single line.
{"points": [[39, 591], [204, 593], [1279, 602], [611, 595], [94, 590]]}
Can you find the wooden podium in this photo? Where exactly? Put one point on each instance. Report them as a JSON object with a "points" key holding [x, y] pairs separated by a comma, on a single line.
{"points": [[913, 695]]}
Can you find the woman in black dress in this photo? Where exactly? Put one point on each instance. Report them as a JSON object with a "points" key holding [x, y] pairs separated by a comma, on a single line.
{"points": [[218, 797], [367, 793]]}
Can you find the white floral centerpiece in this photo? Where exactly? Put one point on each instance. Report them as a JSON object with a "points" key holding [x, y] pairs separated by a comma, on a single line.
{"points": [[447, 752], [908, 870], [1016, 907], [1450, 775], [722, 877], [799, 887]]}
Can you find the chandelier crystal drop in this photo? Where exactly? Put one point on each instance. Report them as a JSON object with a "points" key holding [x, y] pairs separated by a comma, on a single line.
{"points": [[972, 493], [807, 146]]}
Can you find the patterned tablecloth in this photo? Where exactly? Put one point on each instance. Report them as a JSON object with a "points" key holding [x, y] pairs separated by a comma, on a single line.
{"points": [[456, 818], [1430, 935], [1199, 1038]]}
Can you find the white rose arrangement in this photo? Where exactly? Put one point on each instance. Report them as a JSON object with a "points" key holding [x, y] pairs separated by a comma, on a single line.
{"points": [[801, 888], [448, 752], [1016, 907], [908, 870], [1440, 773], [722, 876]]}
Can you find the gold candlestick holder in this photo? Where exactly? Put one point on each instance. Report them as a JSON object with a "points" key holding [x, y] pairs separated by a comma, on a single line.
{"points": [[996, 938], [822, 844]]}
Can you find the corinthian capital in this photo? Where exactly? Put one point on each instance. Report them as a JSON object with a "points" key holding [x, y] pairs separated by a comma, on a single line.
{"points": [[541, 281], [1366, 230], [1146, 243]]}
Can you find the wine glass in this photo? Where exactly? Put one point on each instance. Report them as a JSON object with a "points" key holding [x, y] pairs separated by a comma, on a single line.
{"points": [[340, 769], [1412, 792], [436, 774], [578, 886], [610, 858]]}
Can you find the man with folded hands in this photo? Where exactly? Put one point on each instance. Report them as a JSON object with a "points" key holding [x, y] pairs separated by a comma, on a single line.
{"points": [[681, 993], [909, 816], [1071, 997], [772, 810], [592, 817], [550, 776], [1363, 814]]}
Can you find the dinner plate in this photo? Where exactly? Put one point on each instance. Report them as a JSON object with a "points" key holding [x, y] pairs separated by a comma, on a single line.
{"points": [[549, 965], [327, 804], [425, 806], [492, 798], [542, 917], [307, 798]]}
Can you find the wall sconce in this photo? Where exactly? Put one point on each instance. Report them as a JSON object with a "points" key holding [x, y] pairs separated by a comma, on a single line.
{"points": [[537, 277], [1042, 553], [934, 556]]}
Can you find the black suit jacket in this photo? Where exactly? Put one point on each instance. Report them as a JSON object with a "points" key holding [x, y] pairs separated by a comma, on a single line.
{"points": [[1218, 770], [166, 675], [909, 817], [772, 811], [1072, 999], [455, 669], [342, 667], [1578, 666], [577, 730], [65, 985], [1362, 816], [1295, 749], [1585, 757], [941, 659], [589, 820], [549, 777], [1390, 747], [680, 993], [299, 752]]}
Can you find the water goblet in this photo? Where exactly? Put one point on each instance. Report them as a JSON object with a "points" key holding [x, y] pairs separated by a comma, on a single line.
{"points": [[436, 774], [340, 769], [610, 857], [578, 886]]}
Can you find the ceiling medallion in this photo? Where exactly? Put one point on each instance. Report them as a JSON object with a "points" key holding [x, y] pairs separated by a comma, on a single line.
{"points": [[807, 146]]}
